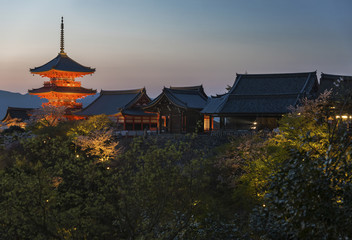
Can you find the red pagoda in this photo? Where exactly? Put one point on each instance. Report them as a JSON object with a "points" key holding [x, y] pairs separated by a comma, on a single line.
{"points": [[62, 89]]}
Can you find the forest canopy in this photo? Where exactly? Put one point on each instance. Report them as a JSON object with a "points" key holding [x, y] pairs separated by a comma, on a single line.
{"points": [[76, 180]]}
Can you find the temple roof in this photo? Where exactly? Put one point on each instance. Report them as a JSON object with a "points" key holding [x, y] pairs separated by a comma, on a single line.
{"points": [[264, 93], [21, 114], [113, 102], [62, 62], [59, 89], [184, 97], [136, 112], [332, 82]]}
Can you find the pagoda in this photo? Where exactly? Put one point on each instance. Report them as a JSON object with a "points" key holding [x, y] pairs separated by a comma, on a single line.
{"points": [[62, 89]]}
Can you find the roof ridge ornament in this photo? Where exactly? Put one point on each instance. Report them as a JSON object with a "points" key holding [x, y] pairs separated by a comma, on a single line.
{"points": [[62, 36]]}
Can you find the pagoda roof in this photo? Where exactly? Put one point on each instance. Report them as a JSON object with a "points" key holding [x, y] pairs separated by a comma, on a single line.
{"points": [[113, 102], [62, 62], [59, 89], [192, 97], [269, 94]]}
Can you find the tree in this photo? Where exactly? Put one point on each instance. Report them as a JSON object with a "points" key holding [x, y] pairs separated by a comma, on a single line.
{"points": [[53, 191], [158, 190], [48, 115], [309, 196], [99, 143], [95, 136]]}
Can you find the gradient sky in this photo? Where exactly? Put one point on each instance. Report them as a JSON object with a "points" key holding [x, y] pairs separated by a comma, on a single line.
{"points": [[156, 43]]}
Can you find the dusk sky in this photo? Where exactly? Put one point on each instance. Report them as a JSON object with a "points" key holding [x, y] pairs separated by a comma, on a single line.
{"points": [[156, 43]]}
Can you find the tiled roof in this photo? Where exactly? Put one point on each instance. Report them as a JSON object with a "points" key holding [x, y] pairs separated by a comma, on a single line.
{"points": [[19, 113], [264, 93], [184, 97], [62, 90], [136, 112], [329, 82], [62, 62], [269, 104], [214, 104], [112, 102]]}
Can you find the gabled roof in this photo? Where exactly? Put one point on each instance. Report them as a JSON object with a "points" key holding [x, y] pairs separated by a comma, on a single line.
{"points": [[184, 97], [16, 112], [330, 82], [264, 93], [112, 102], [62, 62]]}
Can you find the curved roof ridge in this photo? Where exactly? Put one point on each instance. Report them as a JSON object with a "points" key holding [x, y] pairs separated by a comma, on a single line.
{"points": [[65, 55], [111, 102], [62, 89], [127, 91], [195, 89], [218, 95], [138, 96], [275, 74], [187, 87], [327, 75], [57, 60], [70, 66], [19, 108], [172, 97]]}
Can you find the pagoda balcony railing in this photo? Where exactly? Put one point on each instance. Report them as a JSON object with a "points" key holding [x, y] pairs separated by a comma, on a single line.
{"points": [[71, 105], [62, 83]]}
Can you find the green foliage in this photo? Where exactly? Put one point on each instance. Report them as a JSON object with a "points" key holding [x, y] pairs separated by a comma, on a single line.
{"points": [[306, 128], [293, 183], [12, 130], [245, 168], [309, 196], [54, 190], [159, 190], [93, 123], [95, 136], [51, 192]]}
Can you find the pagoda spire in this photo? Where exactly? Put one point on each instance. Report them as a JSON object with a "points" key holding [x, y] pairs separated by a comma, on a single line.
{"points": [[62, 36]]}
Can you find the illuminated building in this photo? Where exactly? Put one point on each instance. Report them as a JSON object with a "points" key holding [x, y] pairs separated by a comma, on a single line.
{"points": [[126, 106], [178, 109], [62, 89]]}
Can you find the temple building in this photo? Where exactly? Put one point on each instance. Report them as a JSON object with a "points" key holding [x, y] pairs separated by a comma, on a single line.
{"points": [[178, 109], [258, 101], [124, 107], [337, 84], [340, 87], [16, 116], [62, 89]]}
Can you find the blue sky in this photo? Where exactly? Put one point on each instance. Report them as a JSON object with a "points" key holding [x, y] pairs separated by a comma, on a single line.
{"points": [[186, 42]]}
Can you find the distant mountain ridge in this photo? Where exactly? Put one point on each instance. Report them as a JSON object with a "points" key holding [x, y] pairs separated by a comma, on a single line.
{"points": [[11, 99]]}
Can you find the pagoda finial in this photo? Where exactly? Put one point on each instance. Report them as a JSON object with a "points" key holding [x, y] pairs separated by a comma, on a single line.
{"points": [[62, 36]]}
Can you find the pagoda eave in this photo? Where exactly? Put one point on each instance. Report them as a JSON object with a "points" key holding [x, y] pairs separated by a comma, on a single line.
{"points": [[53, 73], [43, 93]]}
